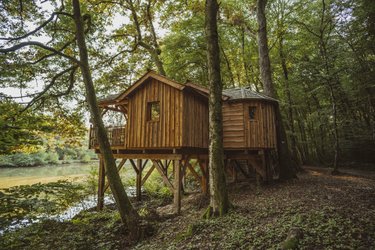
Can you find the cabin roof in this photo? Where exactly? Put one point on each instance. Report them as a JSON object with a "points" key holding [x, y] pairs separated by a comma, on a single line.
{"points": [[245, 94], [228, 94], [115, 98]]}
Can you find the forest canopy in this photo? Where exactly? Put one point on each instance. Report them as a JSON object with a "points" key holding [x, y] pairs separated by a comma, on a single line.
{"points": [[322, 57]]}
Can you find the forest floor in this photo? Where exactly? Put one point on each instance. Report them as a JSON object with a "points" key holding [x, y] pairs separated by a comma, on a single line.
{"points": [[328, 212]]}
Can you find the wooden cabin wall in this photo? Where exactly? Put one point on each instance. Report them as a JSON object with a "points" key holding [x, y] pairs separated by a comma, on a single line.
{"points": [[261, 131], [233, 125], [164, 133], [195, 121]]}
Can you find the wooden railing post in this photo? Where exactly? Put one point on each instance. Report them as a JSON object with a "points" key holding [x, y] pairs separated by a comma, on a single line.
{"points": [[177, 186], [139, 180]]}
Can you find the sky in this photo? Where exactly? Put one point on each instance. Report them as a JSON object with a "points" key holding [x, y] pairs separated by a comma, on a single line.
{"points": [[36, 86]]}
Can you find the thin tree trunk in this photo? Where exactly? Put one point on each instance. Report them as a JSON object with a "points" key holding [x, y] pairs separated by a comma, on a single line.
{"points": [[219, 202], [287, 170], [127, 212], [290, 103]]}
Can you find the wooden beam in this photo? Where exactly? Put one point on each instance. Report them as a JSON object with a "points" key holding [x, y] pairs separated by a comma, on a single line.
{"points": [[195, 174], [204, 169], [238, 166], [177, 187], [101, 183], [134, 166], [139, 180], [162, 173], [120, 165], [150, 156], [147, 175]]}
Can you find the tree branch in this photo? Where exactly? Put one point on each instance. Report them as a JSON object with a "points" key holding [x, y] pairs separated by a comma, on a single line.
{"points": [[37, 28], [53, 54], [71, 84], [41, 45], [39, 96]]}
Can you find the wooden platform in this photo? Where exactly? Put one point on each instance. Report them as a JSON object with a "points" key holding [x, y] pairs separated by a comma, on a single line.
{"points": [[174, 165]]}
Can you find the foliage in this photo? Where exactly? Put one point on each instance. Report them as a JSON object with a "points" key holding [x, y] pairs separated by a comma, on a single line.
{"points": [[29, 132], [29, 202], [44, 158], [155, 187], [89, 230]]}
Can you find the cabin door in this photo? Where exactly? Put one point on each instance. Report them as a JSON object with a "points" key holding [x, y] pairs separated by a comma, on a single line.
{"points": [[253, 125]]}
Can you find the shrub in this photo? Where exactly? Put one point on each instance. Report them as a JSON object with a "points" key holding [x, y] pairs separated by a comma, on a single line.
{"points": [[6, 161], [52, 158], [85, 158], [155, 186], [39, 158], [23, 160]]}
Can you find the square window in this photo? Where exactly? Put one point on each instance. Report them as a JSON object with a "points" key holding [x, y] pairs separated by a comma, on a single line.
{"points": [[153, 111], [252, 112]]}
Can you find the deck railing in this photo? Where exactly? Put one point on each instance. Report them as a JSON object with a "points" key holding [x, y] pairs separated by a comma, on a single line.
{"points": [[116, 136]]}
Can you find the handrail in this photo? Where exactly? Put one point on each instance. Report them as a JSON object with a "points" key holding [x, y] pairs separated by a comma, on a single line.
{"points": [[116, 136]]}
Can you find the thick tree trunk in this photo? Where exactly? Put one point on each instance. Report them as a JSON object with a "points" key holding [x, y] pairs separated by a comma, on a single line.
{"points": [[219, 202], [127, 212], [287, 170]]}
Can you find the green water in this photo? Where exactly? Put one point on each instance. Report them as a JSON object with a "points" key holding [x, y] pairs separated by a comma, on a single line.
{"points": [[29, 175]]}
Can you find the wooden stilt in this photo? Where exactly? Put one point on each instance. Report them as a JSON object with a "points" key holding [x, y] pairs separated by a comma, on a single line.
{"points": [[139, 180], [101, 184], [267, 163], [177, 186], [234, 172]]}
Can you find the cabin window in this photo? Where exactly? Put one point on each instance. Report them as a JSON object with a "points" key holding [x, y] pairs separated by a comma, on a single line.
{"points": [[252, 112], [153, 111]]}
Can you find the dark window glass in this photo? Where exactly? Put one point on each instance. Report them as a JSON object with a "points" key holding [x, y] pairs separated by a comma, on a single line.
{"points": [[252, 112]]}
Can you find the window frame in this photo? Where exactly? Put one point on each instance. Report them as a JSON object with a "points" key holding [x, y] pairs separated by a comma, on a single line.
{"points": [[150, 117]]}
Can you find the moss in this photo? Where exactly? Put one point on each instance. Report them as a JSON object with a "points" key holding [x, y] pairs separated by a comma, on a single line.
{"points": [[291, 243]]}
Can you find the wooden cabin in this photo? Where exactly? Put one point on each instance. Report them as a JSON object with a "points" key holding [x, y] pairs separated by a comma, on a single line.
{"points": [[167, 122]]}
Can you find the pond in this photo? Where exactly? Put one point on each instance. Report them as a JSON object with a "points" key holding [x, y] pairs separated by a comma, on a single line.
{"points": [[76, 172]]}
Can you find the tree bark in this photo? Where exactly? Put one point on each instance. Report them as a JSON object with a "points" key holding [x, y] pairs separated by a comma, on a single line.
{"points": [[219, 202], [287, 169], [293, 140], [127, 212]]}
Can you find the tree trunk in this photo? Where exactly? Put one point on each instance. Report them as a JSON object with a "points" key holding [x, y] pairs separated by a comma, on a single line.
{"points": [[127, 212], [293, 140], [287, 170], [219, 202]]}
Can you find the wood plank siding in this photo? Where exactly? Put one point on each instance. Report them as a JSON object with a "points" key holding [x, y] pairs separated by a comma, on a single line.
{"points": [[195, 121], [241, 131], [261, 130], [233, 125], [164, 114], [166, 132]]}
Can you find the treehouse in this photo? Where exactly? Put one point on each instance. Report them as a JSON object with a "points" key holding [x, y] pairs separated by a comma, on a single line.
{"points": [[166, 123]]}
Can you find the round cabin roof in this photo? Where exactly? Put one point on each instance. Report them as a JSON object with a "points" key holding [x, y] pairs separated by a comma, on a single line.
{"points": [[239, 94]]}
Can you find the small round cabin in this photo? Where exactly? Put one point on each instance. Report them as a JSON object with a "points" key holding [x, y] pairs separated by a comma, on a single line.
{"points": [[248, 120]]}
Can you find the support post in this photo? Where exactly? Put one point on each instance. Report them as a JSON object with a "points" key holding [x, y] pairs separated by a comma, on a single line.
{"points": [[139, 180], [101, 184], [177, 186]]}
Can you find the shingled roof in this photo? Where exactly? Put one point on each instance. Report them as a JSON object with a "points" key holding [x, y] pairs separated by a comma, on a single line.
{"points": [[245, 93]]}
